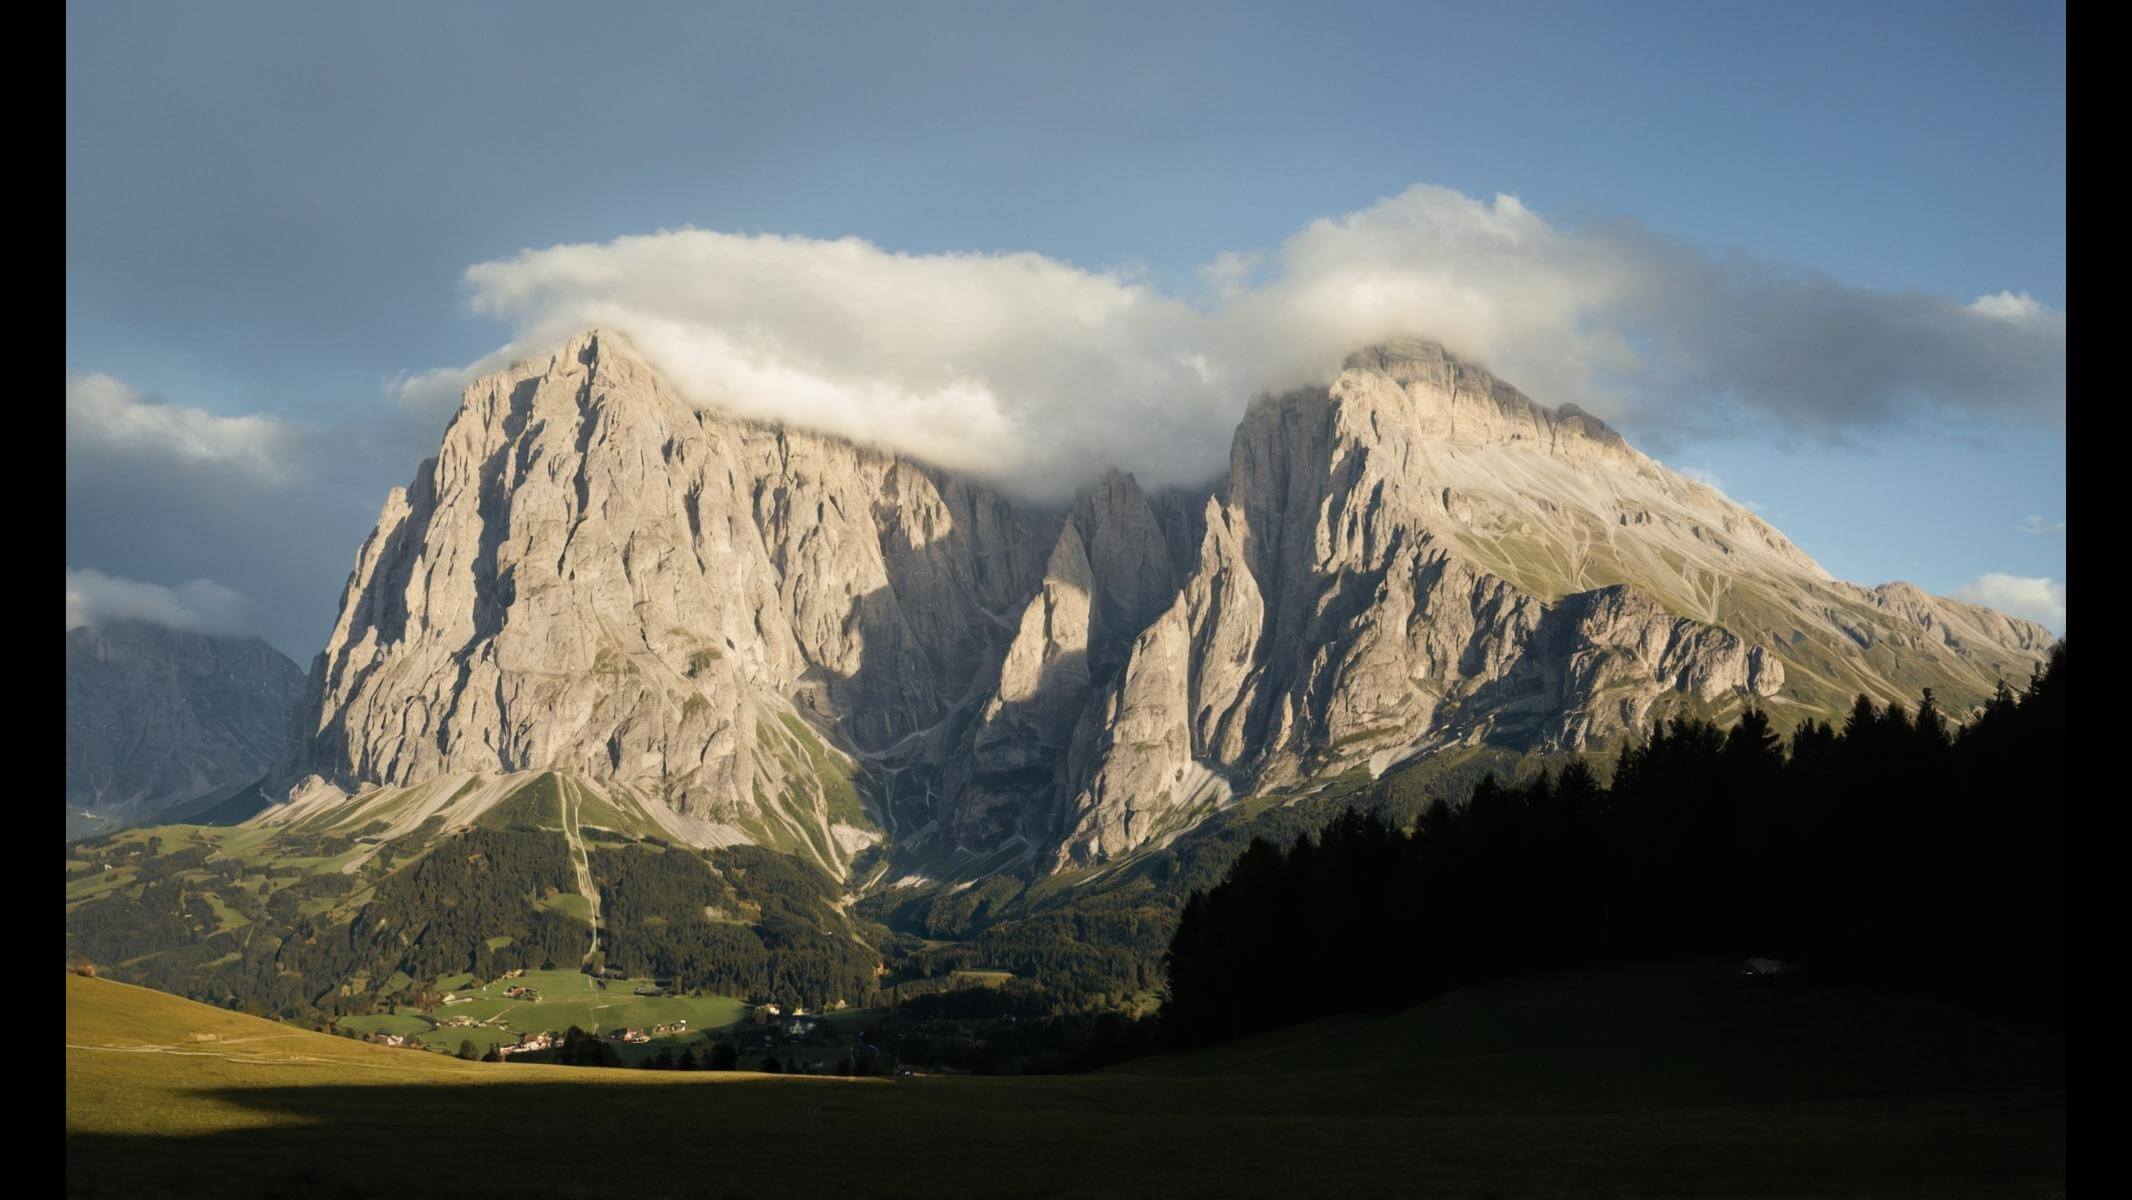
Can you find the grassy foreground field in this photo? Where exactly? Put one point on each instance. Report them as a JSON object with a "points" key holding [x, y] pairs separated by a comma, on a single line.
{"points": [[1664, 1079]]}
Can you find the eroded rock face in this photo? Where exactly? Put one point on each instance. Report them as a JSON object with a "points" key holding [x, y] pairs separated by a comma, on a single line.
{"points": [[157, 716], [596, 577], [1418, 556], [1112, 571], [740, 620]]}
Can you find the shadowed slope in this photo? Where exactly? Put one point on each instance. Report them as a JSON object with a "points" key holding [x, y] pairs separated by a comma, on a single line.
{"points": [[1674, 1083]]}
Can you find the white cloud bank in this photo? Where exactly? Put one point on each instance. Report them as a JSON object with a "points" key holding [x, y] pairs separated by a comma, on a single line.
{"points": [[201, 606], [2041, 600], [1037, 373], [105, 416]]}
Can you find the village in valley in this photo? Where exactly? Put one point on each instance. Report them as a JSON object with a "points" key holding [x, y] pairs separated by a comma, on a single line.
{"points": [[525, 1014]]}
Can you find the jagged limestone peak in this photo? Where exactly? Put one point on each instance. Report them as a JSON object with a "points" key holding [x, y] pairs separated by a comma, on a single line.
{"points": [[747, 623]]}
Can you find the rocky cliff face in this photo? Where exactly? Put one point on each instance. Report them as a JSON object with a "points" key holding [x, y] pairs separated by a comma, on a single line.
{"points": [[1418, 556], [596, 577], [157, 717], [783, 638]]}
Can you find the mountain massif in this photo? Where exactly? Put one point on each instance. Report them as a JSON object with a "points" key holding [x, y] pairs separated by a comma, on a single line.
{"points": [[159, 718], [748, 633]]}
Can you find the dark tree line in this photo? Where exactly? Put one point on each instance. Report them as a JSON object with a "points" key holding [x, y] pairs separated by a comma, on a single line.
{"points": [[579, 1049], [1016, 1028], [1085, 955], [779, 934], [1895, 850]]}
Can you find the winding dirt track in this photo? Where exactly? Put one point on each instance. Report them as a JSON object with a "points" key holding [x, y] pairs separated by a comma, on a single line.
{"points": [[569, 801]]}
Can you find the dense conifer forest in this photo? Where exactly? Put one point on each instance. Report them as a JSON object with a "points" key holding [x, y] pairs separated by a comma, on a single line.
{"points": [[1895, 850], [757, 924]]}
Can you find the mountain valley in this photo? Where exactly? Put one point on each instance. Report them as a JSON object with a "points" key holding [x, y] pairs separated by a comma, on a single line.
{"points": [[620, 681]]}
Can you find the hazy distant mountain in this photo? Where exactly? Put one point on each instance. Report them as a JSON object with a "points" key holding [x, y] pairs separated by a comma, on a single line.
{"points": [[760, 634], [158, 718]]}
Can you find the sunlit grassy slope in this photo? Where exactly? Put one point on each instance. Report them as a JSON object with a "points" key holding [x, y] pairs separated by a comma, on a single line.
{"points": [[1668, 1079]]}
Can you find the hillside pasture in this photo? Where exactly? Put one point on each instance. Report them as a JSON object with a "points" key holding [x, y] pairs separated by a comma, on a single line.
{"points": [[567, 998], [1663, 1080]]}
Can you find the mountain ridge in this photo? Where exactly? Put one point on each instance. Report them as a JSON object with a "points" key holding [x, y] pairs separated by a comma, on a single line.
{"points": [[158, 718], [786, 638]]}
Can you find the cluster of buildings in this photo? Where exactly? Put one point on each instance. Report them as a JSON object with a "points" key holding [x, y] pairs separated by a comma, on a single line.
{"points": [[526, 1042], [797, 1023]]}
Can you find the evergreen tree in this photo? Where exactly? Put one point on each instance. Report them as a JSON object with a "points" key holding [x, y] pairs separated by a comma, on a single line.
{"points": [[1931, 727], [1900, 850]]}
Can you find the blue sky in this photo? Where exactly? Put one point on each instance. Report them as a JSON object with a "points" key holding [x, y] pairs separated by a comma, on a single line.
{"points": [[271, 211]]}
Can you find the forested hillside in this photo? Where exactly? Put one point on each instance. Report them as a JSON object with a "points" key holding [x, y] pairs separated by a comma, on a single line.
{"points": [[1897, 848], [305, 927], [1894, 850]]}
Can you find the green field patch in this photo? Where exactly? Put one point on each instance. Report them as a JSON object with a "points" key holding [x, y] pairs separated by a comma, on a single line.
{"points": [[225, 916], [315, 905], [446, 1039], [100, 883], [481, 1008], [536, 805], [570, 904], [383, 1023], [840, 792], [594, 811], [569, 998]]}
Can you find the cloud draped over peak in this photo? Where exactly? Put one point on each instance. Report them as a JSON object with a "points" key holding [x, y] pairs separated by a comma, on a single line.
{"points": [[105, 416], [200, 606], [2041, 600], [1038, 373]]}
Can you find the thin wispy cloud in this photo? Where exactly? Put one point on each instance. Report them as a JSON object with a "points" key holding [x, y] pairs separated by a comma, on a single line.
{"points": [[2041, 600], [1037, 373], [199, 605], [2038, 525], [263, 507]]}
